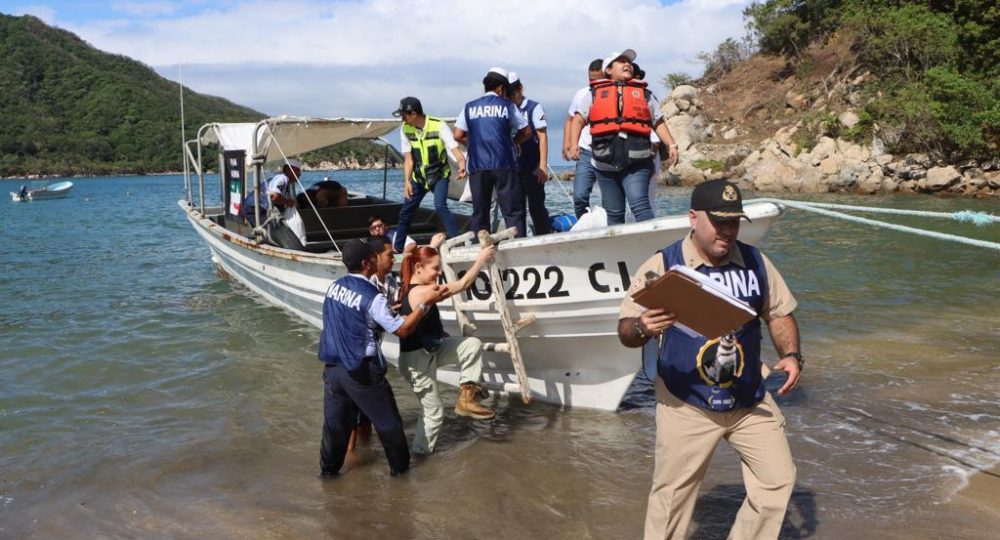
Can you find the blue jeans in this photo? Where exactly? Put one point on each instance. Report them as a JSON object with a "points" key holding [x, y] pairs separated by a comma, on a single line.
{"points": [[410, 207], [631, 183], [583, 183]]}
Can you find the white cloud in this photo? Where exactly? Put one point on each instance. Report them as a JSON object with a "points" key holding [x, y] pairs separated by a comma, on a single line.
{"points": [[358, 58], [145, 8]]}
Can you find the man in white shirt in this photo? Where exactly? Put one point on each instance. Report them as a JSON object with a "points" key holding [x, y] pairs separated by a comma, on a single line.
{"points": [[532, 161], [281, 192], [425, 142], [585, 177]]}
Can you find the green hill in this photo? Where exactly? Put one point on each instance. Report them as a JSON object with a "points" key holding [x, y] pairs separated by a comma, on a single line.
{"points": [[68, 108]]}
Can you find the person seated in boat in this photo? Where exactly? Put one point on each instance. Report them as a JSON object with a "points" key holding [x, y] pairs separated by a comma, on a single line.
{"points": [[355, 315], [377, 226], [425, 142], [289, 232], [429, 346]]}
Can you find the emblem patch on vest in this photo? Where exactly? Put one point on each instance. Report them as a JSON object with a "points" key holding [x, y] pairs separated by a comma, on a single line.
{"points": [[720, 361], [729, 194]]}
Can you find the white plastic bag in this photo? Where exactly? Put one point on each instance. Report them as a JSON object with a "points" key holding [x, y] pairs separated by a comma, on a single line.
{"points": [[595, 218]]}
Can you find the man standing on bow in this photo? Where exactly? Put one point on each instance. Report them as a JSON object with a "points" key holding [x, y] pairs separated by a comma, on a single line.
{"points": [[584, 177], [621, 113], [485, 125], [425, 142], [532, 162]]}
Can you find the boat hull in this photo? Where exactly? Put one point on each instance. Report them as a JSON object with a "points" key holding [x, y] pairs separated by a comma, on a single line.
{"points": [[571, 282], [59, 190]]}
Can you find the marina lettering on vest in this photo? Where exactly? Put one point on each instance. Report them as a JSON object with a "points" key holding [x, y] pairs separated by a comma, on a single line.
{"points": [[740, 282], [487, 111], [345, 296]]}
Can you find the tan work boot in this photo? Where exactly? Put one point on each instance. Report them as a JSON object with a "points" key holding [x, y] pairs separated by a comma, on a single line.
{"points": [[468, 406]]}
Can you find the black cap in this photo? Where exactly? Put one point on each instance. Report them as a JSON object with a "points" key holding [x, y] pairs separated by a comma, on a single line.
{"points": [[720, 199], [408, 104], [355, 252], [637, 72]]}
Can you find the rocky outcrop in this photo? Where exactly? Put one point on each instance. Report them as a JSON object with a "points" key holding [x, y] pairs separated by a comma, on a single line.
{"points": [[350, 163], [780, 164]]}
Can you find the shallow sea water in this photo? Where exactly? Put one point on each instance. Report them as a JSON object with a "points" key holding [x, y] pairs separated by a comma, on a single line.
{"points": [[144, 396]]}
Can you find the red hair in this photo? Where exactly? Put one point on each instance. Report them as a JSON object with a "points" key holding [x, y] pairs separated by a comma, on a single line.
{"points": [[419, 256]]}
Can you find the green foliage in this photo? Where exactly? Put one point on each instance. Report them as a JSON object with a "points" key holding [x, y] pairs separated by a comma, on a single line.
{"points": [[903, 41], [815, 125], [673, 80], [938, 63], [71, 109], [863, 131], [724, 58], [713, 164], [788, 26]]}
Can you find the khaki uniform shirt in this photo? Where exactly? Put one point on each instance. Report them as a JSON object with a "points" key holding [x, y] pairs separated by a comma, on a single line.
{"points": [[779, 302]]}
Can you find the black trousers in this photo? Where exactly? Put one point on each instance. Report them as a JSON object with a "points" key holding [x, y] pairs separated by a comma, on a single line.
{"points": [[367, 390], [535, 194], [510, 197]]}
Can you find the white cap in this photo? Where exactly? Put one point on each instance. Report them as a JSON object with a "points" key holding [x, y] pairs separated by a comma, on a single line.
{"points": [[499, 71], [512, 77], [293, 162], [627, 53]]}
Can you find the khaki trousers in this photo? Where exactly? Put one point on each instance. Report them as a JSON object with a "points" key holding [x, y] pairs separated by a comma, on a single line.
{"points": [[686, 437], [419, 368]]}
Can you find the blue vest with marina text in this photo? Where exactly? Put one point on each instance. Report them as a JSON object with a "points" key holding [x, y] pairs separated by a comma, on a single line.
{"points": [[688, 364], [346, 322], [490, 121], [530, 154]]}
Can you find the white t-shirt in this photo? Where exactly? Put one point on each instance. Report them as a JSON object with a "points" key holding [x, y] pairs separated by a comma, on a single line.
{"points": [[446, 136], [537, 116], [278, 184], [584, 142]]}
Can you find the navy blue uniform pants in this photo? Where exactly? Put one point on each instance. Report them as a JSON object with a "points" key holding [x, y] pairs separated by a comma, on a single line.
{"points": [[510, 197], [535, 193], [367, 390]]}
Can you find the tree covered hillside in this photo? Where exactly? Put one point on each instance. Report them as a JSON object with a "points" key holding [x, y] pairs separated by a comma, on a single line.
{"points": [[937, 64], [69, 108]]}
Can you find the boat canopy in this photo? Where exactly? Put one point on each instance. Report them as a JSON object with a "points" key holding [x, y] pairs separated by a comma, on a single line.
{"points": [[292, 135]]}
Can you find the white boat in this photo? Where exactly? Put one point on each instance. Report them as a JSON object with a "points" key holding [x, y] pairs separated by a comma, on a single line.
{"points": [[571, 282], [58, 190]]}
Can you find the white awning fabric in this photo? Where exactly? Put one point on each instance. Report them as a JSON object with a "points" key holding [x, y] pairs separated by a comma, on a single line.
{"points": [[291, 136]]}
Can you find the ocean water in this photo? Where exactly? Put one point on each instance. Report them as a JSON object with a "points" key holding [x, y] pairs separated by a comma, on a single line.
{"points": [[144, 396]]}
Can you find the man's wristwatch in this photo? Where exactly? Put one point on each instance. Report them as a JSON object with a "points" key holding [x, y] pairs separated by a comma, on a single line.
{"points": [[638, 329], [425, 308], [797, 356]]}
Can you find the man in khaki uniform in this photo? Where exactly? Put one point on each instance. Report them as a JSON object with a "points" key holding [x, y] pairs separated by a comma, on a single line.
{"points": [[713, 389]]}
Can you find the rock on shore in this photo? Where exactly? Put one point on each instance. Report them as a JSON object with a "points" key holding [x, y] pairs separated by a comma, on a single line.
{"points": [[779, 164]]}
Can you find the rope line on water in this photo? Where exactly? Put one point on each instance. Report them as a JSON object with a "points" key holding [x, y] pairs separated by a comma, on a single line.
{"points": [[978, 218], [813, 207]]}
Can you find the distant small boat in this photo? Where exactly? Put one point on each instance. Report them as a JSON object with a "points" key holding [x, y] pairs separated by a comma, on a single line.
{"points": [[59, 190]]}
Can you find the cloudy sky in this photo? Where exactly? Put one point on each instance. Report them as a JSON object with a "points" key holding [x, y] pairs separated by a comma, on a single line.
{"points": [[358, 57]]}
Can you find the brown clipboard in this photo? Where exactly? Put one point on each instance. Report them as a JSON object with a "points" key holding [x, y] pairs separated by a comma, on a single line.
{"points": [[695, 307]]}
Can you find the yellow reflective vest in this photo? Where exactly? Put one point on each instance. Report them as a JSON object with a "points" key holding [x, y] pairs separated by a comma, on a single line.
{"points": [[430, 157]]}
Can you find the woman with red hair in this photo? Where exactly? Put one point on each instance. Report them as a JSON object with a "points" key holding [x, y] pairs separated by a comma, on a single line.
{"points": [[429, 346]]}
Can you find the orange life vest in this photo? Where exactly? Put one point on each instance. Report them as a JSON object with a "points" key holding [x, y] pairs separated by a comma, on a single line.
{"points": [[619, 106]]}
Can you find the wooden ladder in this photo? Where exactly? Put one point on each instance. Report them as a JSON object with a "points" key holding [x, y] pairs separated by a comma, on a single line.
{"points": [[498, 302]]}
